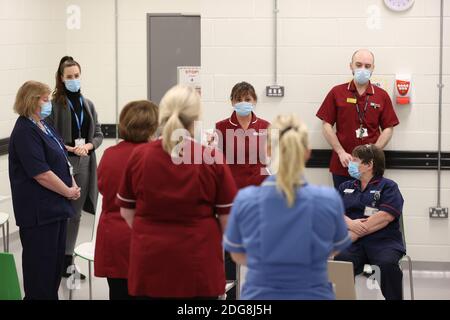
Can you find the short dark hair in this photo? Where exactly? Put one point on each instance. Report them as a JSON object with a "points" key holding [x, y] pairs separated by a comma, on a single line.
{"points": [[138, 121], [242, 89], [371, 153]]}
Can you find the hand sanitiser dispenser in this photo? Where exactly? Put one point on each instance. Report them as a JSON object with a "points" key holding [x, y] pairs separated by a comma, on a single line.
{"points": [[402, 89]]}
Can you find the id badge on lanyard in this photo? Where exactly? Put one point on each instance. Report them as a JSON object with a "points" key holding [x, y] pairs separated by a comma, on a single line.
{"points": [[80, 141], [362, 132], [371, 210], [49, 133]]}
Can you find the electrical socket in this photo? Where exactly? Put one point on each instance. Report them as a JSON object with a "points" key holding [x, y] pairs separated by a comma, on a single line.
{"points": [[275, 91], [438, 213]]}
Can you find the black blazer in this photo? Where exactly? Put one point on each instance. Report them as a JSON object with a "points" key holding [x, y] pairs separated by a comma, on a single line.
{"points": [[61, 119]]}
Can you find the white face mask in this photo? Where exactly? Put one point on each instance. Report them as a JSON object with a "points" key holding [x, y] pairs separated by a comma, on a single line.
{"points": [[362, 75]]}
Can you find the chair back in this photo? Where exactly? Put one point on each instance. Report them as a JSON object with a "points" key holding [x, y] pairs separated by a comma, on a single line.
{"points": [[340, 274], [402, 230], [9, 280], [98, 213]]}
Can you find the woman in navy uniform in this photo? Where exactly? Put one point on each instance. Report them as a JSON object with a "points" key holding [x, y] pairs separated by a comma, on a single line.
{"points": [[373, 205], [286, 229], [41, 187]]}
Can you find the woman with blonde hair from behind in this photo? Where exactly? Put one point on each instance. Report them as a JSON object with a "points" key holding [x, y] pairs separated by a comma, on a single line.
{"points": [[177, 210], [285, 229]]}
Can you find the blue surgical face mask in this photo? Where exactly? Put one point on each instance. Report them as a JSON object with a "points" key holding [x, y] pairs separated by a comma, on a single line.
{"points": [[243, 108], [353, 170], [361, 75], [46, 109], [73, 85]]}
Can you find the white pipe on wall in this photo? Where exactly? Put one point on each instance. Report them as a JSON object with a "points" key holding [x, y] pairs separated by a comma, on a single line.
{"points": [[116, 36], [440, 86], [275, 31]]}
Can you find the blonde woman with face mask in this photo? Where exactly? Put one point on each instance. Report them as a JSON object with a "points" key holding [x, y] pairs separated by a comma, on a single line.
{"points": [[286, 229], [41, 187]]}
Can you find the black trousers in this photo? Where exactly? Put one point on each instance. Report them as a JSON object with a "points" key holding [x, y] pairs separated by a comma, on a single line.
{"points": [[230, 274], [118, 289], [42, 259], [391, 276]]}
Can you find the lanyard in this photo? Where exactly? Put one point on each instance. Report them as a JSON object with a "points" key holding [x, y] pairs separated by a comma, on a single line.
{"points": [[361, 115], [78, 120], [49, 133]]}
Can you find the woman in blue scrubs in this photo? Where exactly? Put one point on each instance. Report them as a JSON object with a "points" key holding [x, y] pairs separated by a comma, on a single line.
{"points": [[373, 205], [286, 229], [41, 187]]}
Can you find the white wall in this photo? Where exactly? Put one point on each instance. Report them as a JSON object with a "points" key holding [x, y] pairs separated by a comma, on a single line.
{"points": [[93, 46], [33, 38], [316, 40]]}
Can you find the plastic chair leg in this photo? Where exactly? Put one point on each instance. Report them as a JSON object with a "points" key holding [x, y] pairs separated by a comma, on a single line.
{"points": [[4, 238], [411, 284], [70, 293], [238, 281], [90, 281], [7, 236]]}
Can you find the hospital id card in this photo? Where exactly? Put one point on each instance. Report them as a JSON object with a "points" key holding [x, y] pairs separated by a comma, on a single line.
{"points": [[80, 142], [361, 133], [369, 211]]}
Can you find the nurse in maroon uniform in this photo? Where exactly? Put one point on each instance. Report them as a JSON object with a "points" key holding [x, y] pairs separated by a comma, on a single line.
{"points": [[243, 137], [177, 208], [137, 124]]}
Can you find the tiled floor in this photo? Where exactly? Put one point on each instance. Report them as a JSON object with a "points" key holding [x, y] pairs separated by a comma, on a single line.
{"points": [[429, 284]]}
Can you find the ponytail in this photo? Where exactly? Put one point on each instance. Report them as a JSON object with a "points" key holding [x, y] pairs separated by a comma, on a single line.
{"points": [[290, 159], [179, 108], [172, 124]]}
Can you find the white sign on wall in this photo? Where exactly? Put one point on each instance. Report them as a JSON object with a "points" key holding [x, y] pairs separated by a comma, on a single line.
{"points": [[73, 21], [189, 75]]}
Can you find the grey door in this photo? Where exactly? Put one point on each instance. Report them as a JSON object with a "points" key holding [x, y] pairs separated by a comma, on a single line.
{"points": [[172, 40]]}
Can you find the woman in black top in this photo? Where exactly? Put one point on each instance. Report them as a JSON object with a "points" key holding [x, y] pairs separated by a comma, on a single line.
{"points": [[75, 118]]}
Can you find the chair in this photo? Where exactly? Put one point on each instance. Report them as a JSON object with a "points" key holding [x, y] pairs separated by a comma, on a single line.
{"points": [[340, 274], [9, 281], [4, 221], [368, 270], [230, 284], [86, 250], [408, 258]]}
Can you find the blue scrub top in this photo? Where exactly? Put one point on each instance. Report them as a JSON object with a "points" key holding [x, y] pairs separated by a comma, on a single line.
{"points": [[382, 194], [32, 152], [287, 248]]}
